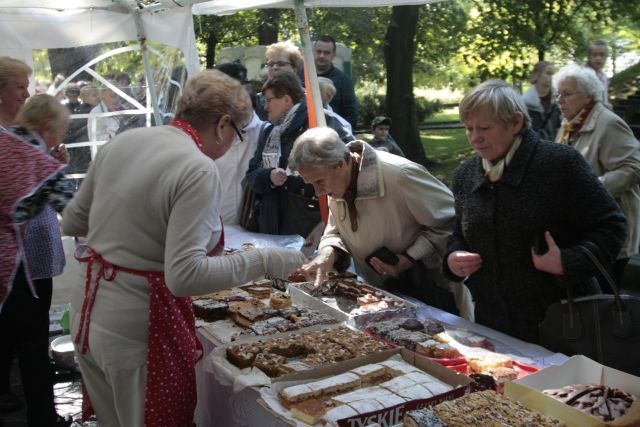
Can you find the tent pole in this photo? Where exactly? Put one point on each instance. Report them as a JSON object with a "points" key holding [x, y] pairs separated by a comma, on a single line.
{"points": [[307, 52], [142, 39]]}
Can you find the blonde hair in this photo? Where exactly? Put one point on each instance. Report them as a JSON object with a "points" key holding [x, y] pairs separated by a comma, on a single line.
{"points": [[327, 89], [539, 69], [502, 100], [12, 67], [41, 108], [211, 94], [288, 47]]}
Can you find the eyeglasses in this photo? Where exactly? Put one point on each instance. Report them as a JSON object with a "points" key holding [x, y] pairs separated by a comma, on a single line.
{"points": [[278, 64], [238, 131], [268, 100], [565, 95]]}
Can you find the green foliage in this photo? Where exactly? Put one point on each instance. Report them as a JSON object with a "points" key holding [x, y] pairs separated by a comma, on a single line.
{"points": [[372, 102]]}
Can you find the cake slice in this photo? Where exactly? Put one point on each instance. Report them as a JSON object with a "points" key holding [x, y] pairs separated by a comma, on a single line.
{"points": [[296, 394], [309, 411], [397, 367], [332, 416], [371, 374]]}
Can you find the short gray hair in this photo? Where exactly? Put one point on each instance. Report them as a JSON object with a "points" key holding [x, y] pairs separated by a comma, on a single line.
{"points": [[319, 146], [502, 100], [586, 80], [327, 89]]}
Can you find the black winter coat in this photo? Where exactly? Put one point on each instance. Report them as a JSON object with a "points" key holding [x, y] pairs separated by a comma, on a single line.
{"points": [[546, 187], [292, 208]]}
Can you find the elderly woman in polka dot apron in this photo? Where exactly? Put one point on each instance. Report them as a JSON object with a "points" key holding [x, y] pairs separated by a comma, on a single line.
{"points": [[149, 209]]}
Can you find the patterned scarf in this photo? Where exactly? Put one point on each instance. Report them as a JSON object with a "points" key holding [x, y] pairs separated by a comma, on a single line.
{"points": [[352, 191], [272, 149], [495, 170], [570, 128]]}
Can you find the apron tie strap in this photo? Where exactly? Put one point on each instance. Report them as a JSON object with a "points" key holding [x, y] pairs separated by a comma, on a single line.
{"points": [[106, 271]]}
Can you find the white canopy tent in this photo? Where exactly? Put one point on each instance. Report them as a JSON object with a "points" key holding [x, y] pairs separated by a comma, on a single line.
{"points": [[37, 24]]}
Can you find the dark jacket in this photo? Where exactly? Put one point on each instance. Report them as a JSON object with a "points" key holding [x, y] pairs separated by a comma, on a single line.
{"points": [[547, 187], [344, 102], [292, 208]]}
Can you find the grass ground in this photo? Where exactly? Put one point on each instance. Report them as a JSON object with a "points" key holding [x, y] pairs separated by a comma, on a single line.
{"points": [[446, 115], [446, 148]]}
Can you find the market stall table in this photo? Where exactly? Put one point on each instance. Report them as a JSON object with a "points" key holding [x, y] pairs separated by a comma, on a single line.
{"points": [[219, 405]]}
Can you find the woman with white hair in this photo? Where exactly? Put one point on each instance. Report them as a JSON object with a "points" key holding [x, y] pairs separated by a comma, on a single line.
{"points": [[389, 214], [517, 191], [608, 145]]}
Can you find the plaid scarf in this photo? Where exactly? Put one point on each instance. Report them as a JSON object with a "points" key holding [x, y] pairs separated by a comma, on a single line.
{"points": [[571, 127]]}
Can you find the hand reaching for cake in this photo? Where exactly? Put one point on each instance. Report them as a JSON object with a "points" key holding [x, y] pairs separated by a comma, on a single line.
{"points": [[318, 268]]}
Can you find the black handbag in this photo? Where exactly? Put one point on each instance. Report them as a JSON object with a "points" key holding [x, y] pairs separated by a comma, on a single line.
{"points": [[605, 328], [248, 208]]}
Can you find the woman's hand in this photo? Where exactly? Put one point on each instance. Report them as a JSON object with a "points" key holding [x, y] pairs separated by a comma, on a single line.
{"points": [[60, 153], [463, 264], [316, 270], [551, 261], [389, 270], [278, 176]]}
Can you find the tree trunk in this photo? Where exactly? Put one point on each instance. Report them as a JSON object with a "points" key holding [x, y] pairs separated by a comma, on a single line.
{"points": [[212, 41], [268, 29], [399, 52]]}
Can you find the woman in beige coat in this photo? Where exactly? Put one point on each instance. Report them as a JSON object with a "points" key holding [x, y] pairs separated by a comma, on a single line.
{"points": [[379, 200], [606, 142]]}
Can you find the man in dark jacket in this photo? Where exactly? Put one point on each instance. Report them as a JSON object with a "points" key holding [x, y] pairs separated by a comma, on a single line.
{"points": [[344, 102]]}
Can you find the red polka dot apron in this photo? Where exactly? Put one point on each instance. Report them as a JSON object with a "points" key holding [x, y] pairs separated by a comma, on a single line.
{"points": [[173, 348]]}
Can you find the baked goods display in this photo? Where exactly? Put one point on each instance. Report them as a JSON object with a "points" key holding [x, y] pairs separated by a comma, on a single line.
{"points": [[487, 408], [352, 297], [232, 313], [361, 390], [299, 352], [418, 336], [602, 402], [424, 417]]}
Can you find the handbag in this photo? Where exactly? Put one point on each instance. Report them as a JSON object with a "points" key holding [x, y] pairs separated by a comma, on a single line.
{"points": [[248, 208], [605, 328]]}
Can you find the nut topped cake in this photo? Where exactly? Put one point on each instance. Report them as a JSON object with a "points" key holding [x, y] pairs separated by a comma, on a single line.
{"points": [[309, 349], [487, 408]]}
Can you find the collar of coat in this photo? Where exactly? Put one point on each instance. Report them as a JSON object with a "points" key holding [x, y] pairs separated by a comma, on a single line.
{"points": [[370, 181], [514, 173], [590, 123]]}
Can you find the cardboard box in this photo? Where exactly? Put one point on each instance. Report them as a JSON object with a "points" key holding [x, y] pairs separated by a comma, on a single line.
{"points": [[576, 370], [300, 296], [385, 417], [230, 375]]}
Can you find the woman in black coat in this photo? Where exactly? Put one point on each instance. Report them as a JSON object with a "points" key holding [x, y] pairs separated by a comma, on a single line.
{"points": [[515, 191], [286, 204]]}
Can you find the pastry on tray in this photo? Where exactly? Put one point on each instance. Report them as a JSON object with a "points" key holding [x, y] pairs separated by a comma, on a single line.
{"points": [[602, 402], [424, 417], [280, 300], [487, 408]]}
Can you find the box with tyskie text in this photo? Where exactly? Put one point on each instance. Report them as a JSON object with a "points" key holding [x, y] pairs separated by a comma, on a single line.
{"points": [[457, 385]]}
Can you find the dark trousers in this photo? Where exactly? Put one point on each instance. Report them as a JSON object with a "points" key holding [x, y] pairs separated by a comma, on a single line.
{"points": [[24, 332]]}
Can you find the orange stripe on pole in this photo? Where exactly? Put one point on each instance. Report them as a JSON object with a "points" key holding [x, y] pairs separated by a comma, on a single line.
{"points": [[324, 207]]}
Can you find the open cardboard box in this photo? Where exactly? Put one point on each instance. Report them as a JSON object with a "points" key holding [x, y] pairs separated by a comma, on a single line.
{"points": [[385, 417], [301, 297], [230, 375], [576, 370]]}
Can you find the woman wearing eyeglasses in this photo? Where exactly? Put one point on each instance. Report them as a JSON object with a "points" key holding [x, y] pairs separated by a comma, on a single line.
{"points": [[287, 205], [150, 210], [608, 145], [281, 56]]}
